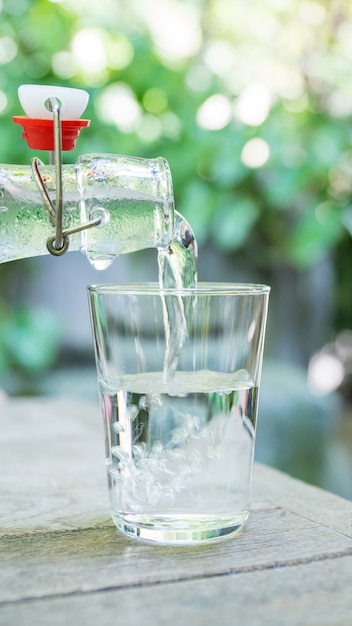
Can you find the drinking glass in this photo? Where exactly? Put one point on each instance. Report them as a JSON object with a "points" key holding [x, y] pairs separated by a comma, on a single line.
{"points": [[179, 376]]}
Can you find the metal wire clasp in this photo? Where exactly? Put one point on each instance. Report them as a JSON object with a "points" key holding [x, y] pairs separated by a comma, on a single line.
{"points": [[59, 243]]}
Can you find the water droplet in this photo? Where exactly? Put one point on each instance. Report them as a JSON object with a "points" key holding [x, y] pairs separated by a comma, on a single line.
{"points": [[101, 263]]}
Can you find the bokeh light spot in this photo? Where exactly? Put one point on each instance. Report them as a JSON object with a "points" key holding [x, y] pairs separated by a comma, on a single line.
{"points": [[255, 153], [171, 125], [117, 105], [64, 64], [120, 52], [3, 101], [149, 129], [174, 27], [215, 113], [8, 49], [220, 57], [155, 100], [253, 105], [325, 373], [88, 47], [312, 13], [198, 78]]}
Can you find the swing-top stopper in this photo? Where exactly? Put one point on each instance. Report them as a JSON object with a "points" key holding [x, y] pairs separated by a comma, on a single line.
{"points": [[38, 127]]}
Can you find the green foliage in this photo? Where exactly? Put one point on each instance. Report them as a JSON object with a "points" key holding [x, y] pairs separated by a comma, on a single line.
{"points": [[150, 75], [307, 137], [29, 340], [318, 230], [29, 346], [234, 222]]}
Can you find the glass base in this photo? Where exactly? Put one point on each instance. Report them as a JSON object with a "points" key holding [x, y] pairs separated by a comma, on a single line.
{"points": [[180, 530]]}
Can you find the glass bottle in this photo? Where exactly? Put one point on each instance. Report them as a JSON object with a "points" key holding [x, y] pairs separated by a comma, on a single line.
{"points": [[132, 196]]}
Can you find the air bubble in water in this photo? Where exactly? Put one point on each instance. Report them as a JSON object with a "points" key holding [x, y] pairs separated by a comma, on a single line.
{"points": [[118, 428], [133, 412]]}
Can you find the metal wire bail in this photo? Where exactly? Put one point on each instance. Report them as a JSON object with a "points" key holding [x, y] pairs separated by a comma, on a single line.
{"points": [[59, 243]]}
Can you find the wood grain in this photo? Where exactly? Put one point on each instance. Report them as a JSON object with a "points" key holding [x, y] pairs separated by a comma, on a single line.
{"points": [[298, 497], [99, 558], [61, 559], [52, 466], [312, 594]]}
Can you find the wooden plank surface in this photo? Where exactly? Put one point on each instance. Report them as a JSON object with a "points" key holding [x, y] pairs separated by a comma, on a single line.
{"points": [[60, 554], [99, 558], [314, 594], [298, 497], [52, 466]]}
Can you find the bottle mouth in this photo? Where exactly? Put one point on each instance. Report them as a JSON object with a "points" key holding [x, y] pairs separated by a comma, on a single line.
{"points": [[39, 133]]}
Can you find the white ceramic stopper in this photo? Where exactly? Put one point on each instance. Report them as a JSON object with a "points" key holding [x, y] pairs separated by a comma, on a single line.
{"points": [[33, 100]]}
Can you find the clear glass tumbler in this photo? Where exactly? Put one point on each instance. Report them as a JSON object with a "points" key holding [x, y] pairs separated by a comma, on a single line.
{"points": [[179, 375]]}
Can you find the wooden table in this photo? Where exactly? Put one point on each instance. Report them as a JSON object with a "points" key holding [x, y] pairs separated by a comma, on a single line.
{"points": [[62, 562]]}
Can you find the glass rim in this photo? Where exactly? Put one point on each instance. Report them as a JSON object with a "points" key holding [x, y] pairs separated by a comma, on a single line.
{"points": [[201, 289]]}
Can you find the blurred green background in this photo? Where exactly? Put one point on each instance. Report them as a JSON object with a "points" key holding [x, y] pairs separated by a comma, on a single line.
{"points": [[251, 103]]}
